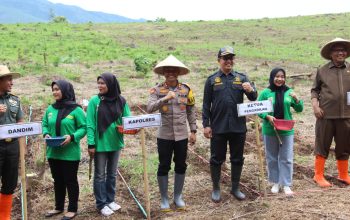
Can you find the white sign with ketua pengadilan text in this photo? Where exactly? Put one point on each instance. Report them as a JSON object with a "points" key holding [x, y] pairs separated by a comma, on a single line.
{"points": [[252, 108], [20, 130], [142, 121]]}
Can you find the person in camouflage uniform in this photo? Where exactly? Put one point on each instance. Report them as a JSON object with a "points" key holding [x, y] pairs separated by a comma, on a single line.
{"points": [[10, 113]]}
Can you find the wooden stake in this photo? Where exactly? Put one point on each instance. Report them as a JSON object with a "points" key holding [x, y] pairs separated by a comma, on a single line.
{"points": [[261, 163], [145, 174], [22, 148]]}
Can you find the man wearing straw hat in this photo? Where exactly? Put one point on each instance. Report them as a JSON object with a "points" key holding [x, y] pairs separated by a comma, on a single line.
{"points": [[175, 101], [223, 90], [10, 112], [330, 96]]}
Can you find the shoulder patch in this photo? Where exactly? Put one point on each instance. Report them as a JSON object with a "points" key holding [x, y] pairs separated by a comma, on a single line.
{"points": [[13, 95], [187, 85], [190, 98], [242, 74], [213, 74]]}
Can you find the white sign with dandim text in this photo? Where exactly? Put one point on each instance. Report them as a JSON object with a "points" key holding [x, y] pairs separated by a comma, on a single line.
{"points": [[20, 130], [142, 121], [252, 108]]}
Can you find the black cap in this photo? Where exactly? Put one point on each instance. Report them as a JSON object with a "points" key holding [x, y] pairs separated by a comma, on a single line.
{"points": [[227, 50]]}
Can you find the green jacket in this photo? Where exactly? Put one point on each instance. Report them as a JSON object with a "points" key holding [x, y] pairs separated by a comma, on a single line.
{"points": [[267, 94], [73, 124], [111, 139]]}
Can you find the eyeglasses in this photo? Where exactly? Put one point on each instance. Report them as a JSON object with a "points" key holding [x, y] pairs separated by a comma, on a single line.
{"points": [[227, 58]]}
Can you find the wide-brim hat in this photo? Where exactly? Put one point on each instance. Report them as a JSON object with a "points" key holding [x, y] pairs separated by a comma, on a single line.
{"points": [[171, 61], [327, 48], [4, 71]]}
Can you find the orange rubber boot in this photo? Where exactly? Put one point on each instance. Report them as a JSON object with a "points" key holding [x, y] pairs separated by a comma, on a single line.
{"points": [[319, 172], [343, 174], [5, 206]]}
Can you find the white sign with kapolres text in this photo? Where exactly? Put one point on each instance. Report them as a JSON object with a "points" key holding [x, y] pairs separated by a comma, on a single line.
{"points": [[252, 108], [142, 121], [20, 130]]}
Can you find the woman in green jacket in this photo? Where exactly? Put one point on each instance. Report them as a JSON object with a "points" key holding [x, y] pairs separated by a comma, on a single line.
{"points": [[104, 114], [64, 118], [279, 158]]}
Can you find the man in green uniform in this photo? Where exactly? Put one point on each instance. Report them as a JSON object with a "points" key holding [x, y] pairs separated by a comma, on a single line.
{"points": [[10, 112]]}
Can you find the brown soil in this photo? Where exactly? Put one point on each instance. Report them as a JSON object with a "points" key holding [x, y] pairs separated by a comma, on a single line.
{"points": [[309, 201]]}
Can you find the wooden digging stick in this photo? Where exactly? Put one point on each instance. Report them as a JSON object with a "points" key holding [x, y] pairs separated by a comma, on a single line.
{"points": [[261, 163], [22, 147], [145, 174]]}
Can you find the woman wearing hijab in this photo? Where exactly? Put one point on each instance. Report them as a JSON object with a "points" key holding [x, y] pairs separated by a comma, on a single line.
{"points": [[104, 114], [64, 118], [279, 157]]}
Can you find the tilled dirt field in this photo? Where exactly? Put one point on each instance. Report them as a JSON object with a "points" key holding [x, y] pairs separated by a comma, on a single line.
{"points": [[309, 201]]}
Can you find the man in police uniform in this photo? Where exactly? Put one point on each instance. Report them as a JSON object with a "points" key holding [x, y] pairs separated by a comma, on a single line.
{"points": [[222, 92], [10, 112], [175, 102]]}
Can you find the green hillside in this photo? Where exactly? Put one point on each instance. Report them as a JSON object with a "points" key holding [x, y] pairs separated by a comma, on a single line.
{"points": [[296, 38], [72, 50]]}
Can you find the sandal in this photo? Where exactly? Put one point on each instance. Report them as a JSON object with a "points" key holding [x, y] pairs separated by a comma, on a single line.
{"points": [[52, 213]]}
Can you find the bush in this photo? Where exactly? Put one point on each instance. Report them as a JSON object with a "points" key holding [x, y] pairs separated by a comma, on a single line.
{"points": [[59, 19], [143, 64]]}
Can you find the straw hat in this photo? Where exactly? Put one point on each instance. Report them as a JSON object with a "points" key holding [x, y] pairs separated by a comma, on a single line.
{"points": [[4, 71], [326, 49], [171, 61]]}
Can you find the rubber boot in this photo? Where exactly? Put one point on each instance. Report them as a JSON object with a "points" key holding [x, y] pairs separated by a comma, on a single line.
{"points": [[215, 172], [319, 172], [236, 172], [163, 188], [5, 206], [343, 168], [178, 186]]}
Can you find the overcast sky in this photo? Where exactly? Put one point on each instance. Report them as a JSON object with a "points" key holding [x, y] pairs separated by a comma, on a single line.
{"points": [[187, 10]]}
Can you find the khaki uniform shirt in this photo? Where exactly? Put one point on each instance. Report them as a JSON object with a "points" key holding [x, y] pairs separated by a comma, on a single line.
{"points": [[14, 110], [174, 112], [330, 87]]}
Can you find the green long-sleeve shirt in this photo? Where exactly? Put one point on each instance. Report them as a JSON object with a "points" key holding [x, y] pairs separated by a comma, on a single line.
{"points": [[267, 94], [110, 139], [73, 124]]}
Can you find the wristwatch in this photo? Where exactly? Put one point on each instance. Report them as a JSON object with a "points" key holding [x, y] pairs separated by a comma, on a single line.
{"points": [[193, 131]]}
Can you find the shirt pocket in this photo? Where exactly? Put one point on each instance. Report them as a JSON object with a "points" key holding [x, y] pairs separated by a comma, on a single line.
{"points": [[13, 111], [218, 87], [165, 108], [237, 86]]}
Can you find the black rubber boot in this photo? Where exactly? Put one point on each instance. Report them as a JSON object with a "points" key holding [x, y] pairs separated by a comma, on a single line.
{"points": [[215, 172], [235, 177]]}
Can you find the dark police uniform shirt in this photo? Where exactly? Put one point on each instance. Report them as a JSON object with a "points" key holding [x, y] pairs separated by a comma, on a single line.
{"points": [[14, 110], [221, 95]]}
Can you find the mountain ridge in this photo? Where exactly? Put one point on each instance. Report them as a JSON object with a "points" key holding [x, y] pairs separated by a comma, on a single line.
{"points": [[31, 11]]}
